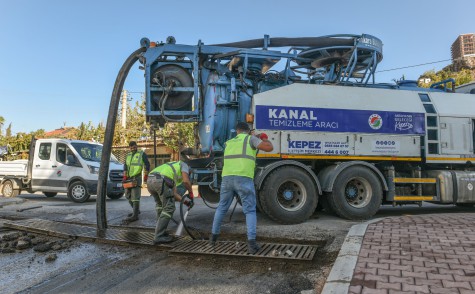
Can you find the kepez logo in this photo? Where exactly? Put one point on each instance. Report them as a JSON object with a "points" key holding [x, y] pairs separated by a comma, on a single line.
{"points": [[375, 121]]}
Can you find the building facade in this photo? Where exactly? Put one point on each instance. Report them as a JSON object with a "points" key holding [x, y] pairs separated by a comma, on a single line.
{"points": [[464, 46]]}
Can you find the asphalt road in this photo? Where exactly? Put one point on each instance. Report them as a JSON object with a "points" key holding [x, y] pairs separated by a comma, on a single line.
{"points": [[102, 268]]}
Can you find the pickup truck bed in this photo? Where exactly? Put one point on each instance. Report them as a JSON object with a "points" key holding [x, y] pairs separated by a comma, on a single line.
{"points": [[14, 168]]}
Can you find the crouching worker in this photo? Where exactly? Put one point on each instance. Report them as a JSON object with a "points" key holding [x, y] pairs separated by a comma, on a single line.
{"points": [[161, 184]]}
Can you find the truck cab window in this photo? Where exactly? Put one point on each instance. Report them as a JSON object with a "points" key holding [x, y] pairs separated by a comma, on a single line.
{"points": [[61, 153], [71, 158], [65, 155], [44, 152]]}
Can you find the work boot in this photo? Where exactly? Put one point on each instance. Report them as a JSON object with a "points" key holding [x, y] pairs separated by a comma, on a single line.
{"points": [[131, 214], [161, 235], [212, 239], [252, 247], [135, 215], [163, 239]]}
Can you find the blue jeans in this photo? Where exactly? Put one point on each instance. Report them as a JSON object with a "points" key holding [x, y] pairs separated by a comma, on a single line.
{"points": [[244, 188]]}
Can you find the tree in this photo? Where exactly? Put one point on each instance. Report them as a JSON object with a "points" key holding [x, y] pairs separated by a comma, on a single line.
{"points": [[8, 132], [178, 135], [461, 77], [2, 121]]}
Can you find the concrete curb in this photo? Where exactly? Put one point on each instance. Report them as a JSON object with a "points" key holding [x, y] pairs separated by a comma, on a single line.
{"points": [[339, 279]]}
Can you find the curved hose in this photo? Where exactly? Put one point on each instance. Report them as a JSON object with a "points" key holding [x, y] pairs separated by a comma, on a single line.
{"points": [[109, 136], [290, 42], [182, 215]]}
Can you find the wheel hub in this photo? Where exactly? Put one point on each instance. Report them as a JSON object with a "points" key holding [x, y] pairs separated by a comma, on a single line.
{"points": [[292, 195], [358, 192], [351, 192], [288, 194]]}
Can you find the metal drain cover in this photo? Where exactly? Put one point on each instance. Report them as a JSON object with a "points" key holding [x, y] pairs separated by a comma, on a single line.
{"points": [[120, 236], [182, 245], [230, 248]]}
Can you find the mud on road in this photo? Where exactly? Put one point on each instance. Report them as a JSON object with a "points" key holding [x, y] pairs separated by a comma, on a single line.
{"points": [[34, 263]]}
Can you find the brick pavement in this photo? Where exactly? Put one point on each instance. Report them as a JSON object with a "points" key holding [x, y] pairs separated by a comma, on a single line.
{"points": [[417, 254]]}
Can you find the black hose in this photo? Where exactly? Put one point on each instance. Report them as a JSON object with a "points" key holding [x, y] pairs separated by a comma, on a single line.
{"points": [[182, 215], [108, 138], [286, 42]]}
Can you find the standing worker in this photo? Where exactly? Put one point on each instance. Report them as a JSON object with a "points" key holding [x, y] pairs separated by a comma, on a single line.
{"points": [[135, 162], [162, 185], [238, 178]]}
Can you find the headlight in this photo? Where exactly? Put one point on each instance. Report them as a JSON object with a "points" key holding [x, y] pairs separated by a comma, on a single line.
{"points": [[93, 169]]}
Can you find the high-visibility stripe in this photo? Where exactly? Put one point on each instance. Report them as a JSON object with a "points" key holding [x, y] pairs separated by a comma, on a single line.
{"points": [[268, 155], [451, 158], [388, 158], [165, 214], [244, 151], [415, 180], [413, 198]]}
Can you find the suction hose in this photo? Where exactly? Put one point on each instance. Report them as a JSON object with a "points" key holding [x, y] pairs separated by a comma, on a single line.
{"points": [[290, 42], [182, 215], [109, 136]]}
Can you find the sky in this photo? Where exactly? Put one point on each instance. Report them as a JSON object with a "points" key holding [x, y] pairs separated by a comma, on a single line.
{"points": [[59, 59]]}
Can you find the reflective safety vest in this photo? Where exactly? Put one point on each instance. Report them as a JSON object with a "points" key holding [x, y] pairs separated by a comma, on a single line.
{"points": [[239, 157], [134, 162], [170, 170]]}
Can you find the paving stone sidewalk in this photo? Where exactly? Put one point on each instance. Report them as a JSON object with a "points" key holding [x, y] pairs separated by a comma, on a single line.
{"points": [[417, 254]]}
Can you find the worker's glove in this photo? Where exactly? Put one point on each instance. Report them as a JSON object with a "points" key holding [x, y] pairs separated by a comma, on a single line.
{"points": [[145, 178], [263, 136], [189, 203], [124, 178]]}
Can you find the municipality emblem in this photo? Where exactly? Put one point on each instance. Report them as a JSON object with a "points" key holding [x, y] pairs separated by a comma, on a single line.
{"points": [[375, 121]]}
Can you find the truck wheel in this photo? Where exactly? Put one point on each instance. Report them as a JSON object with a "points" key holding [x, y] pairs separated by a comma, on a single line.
{"points": [[77, 192], [289, 195], [208, 195], [357, 194], [50, 194], [8, 189], [115, 195]]}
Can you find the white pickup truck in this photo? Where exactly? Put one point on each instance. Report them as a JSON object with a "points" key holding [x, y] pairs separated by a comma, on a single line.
{"points": [[60, 166]]}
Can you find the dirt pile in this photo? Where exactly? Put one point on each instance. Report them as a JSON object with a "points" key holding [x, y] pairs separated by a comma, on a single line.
{"points": [[17, 241]]}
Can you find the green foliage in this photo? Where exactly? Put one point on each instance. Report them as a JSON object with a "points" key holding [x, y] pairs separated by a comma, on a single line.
{"points": [[173, 135], [461, 77], [177, 135]]}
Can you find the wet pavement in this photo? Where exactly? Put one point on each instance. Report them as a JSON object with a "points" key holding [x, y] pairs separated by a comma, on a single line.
{"points": [[433, 253]]}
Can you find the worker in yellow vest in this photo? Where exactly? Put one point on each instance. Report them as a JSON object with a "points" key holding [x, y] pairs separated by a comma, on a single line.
{"points": [[162, 185], [135, 162], [238, 179]]}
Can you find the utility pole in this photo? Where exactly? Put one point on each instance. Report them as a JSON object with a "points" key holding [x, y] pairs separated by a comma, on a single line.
{"points": [[123, 118]]}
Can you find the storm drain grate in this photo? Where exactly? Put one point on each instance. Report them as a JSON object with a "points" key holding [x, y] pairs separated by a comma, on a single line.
{"points": [[111, 235], [183, 245], [230, 248]]}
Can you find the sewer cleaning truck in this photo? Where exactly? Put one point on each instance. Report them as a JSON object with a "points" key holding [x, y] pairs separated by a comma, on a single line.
{"points": [[340, 139]]}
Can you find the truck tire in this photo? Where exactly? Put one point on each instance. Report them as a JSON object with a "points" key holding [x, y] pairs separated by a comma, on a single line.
{"points": [[77, 192], [8, 189], [289, 195], [210, 198], [115, 195], [50, 194], [357, 194]]}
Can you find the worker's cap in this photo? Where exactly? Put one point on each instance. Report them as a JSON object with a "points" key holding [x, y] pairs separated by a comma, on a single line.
{"points": [[242, 126], [132, 143]]}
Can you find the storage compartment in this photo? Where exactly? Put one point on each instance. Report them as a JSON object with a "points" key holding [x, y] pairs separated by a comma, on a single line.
{"points": [[465, 186], [446, 186], [454, 186]]}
